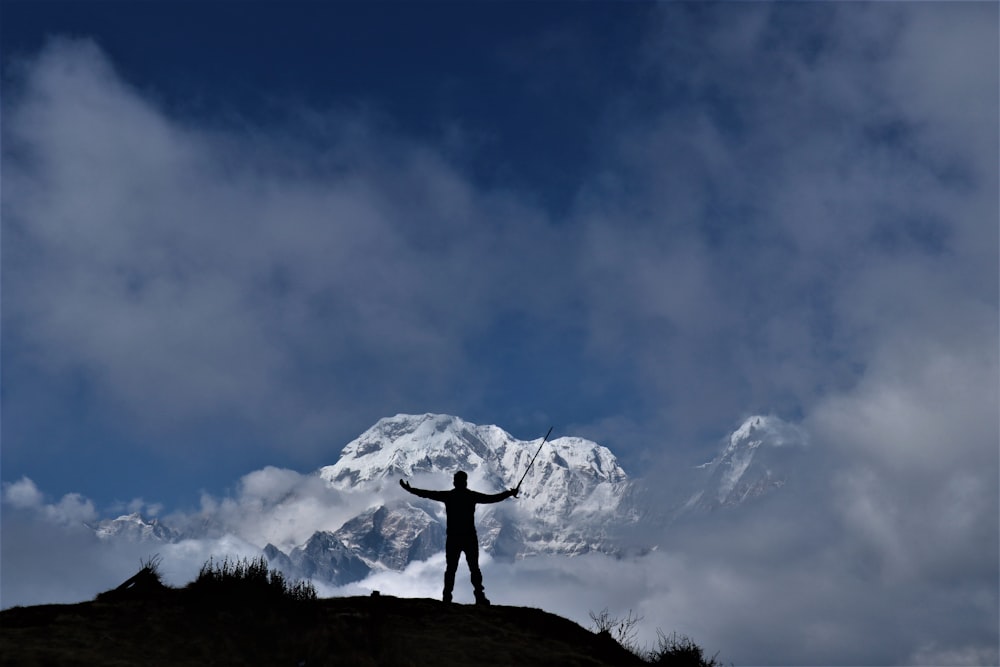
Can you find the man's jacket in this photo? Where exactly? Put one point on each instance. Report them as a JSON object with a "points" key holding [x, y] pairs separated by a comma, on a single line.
{"points": [[460, 505]]}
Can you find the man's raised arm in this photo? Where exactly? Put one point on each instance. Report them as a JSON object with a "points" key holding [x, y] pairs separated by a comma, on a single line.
{"points": [[423, 493], [493, 497]]}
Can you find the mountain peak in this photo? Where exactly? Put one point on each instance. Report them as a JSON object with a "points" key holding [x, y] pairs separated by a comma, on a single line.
{"points": [[748, 466], [134, 527], [406, 445], [765, 429], [573, 494]]}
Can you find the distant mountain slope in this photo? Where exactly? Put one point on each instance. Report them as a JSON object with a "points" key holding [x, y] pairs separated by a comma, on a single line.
{"points": [[175, 629]]}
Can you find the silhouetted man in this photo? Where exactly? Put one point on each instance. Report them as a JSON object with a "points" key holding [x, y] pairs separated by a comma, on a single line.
{"points": [[460, 505]]}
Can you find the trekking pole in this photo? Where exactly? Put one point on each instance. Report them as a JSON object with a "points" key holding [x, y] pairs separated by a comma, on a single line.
{"points": [[530, 463]]}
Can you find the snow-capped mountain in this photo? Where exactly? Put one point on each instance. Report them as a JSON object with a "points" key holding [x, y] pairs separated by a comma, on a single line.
{"points": [[134, 528], [323, 557], [393, 536], [571, 499], [575, 498], [573, 480], [754, 462]]}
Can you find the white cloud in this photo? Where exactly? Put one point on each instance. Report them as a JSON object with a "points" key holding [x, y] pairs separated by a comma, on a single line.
{"points": [[938, 71], [277, 506], [71, 509], [921, 409], [723, 594], [957, 656], [801, 578], [22, 493], [759, 240], [135, 506], [196, 275]]}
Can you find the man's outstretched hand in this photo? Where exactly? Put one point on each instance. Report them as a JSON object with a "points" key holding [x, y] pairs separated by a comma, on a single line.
{"points": [[403, 483], [516, 490]]}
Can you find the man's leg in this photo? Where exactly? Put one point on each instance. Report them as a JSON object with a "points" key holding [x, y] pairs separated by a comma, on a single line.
{"points": [[472, 558], [452, 551]]}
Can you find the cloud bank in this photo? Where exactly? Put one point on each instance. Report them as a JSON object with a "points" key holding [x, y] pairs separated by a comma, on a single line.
{"points": [[828, 570]]}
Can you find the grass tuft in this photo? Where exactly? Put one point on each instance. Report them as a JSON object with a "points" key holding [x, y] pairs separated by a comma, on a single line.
{"points": [[679, 651], [146, 583], [248, 579], [672, 650]]}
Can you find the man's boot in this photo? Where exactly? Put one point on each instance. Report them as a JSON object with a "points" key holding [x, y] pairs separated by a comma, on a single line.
{"points": [[481, 598]]}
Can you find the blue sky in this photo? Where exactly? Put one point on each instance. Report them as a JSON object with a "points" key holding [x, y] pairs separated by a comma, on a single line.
{"points": [[458, 82], [637, 223], [517, 107], [237, 234]]}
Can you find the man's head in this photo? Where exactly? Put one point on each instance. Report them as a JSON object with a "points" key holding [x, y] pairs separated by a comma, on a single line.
{"points": [[461, 480]]}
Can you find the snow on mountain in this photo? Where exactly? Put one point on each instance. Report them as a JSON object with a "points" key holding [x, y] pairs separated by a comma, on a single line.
{"points": [[407, 445], [753, 463], [134, 528], [571, 498]]}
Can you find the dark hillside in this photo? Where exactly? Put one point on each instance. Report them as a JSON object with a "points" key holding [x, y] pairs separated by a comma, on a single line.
{"points": [[178, 627]]}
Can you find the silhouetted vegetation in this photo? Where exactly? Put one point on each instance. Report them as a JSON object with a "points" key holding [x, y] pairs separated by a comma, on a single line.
{"points": [[673, 650], [622, 630], [248, 579], [679, 651], [146, 583]]}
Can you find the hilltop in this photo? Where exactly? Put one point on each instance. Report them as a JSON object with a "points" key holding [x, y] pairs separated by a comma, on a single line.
{"points": [[176, 627]]}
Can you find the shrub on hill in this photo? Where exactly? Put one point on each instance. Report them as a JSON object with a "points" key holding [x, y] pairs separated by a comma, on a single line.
{"points": [[671, 650], [248, 579], [146, 583], [679, 651]]}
